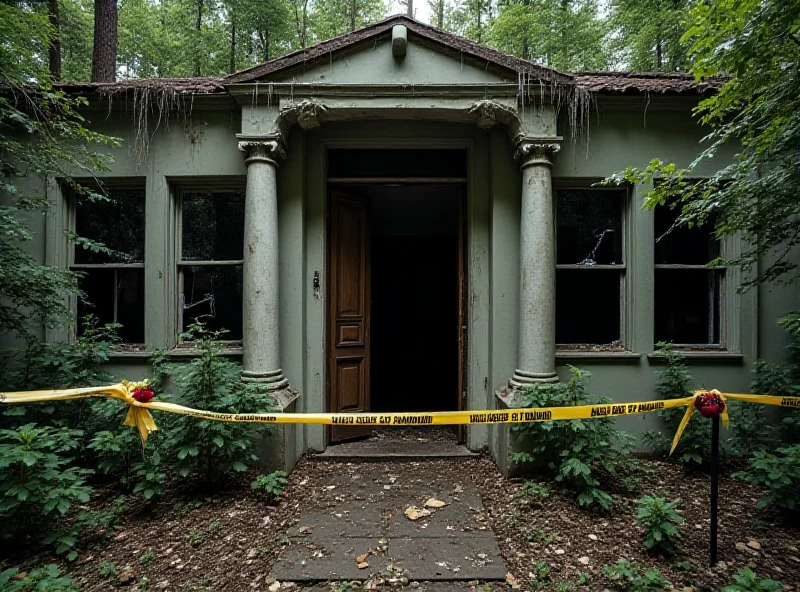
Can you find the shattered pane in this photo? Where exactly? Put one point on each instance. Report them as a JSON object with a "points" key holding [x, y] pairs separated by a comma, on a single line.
{"points": [[589, 226], [212, 226], [117, 222], [213, 295], [683, 245], [687, 306], [577, 321], [114, 296]]}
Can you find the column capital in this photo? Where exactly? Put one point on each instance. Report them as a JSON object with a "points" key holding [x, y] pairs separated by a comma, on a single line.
{"points": [[537, 151], [269, 148]]}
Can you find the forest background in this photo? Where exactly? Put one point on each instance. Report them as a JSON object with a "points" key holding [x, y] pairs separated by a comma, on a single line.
{"points": [[177, 38]]}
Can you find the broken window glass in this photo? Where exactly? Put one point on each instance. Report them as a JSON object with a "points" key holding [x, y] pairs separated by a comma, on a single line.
{"points": [[114, 296], [688, 294], [116, 221], [213, 295], [588, 236], [589, 226], [213, 226]]}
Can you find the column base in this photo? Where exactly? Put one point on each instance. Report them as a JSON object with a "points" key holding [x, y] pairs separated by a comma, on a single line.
{"points": [[522, 379], [274, 380]]}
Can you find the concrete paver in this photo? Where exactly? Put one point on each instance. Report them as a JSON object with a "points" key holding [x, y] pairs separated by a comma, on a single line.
{"points": [[358, 509]]}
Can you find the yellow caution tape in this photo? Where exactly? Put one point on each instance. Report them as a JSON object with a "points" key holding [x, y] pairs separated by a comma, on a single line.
{"points": [[140, 418]]}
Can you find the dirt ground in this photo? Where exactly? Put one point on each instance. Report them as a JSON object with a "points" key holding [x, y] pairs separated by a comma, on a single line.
{"points": [[230, 540]]}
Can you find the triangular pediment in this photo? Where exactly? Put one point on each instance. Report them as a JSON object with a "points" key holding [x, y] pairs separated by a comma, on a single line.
{"points": [[365, 57]]}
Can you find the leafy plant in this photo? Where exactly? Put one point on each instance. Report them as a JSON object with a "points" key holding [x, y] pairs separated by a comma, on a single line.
{"points": [[540, 576], [107, 569], [41, 579], [212, 449], [694, 448], [273, 484], [37, 482], [779, 474], [659, 518], [146, 558], [578, 452], [629, 577], [532, 492], [744, 580], [194, 537]]}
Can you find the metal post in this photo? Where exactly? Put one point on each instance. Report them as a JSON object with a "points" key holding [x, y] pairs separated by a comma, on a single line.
{"points": [[712, 543]]}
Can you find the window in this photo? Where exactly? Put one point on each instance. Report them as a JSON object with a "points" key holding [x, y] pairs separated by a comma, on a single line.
{"points": [[687, 292], [590, 267], [113, 283], [210, 261]]}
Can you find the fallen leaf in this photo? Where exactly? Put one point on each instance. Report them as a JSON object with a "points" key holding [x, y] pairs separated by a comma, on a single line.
{"points": [[435, 503], [512, 581], [362, 558], [415, 513], [754, 544], [363, 565]]}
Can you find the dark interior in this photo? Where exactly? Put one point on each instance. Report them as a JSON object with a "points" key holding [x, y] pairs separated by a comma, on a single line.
{"points": [[414, 314]]}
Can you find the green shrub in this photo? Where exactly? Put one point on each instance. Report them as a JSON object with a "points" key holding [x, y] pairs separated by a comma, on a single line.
{"points": [[745, 580], [37, 483], [675, 382], [107, 569], [659, 518], [212, 449], [578, 452], [629, 577], [272, 484], [532, 492], [779, 474], [41, 579]]}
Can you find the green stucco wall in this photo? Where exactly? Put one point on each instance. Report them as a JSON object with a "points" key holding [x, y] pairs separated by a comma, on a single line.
{"points": [[203, 149], [373, 63]]}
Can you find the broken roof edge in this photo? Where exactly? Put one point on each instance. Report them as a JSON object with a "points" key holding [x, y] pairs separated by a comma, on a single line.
{"points": [[647, 82], [428, 32], [203, 85]]}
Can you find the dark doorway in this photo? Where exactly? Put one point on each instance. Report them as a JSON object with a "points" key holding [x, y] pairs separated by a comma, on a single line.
{"points": [[414, 309]]}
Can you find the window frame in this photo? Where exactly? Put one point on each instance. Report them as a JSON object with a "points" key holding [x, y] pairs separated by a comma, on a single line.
{"points": [[181, 190], [723, 272], [128, 184], [622, 268]]}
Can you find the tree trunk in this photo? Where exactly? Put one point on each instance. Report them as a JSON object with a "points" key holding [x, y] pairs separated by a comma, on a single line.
{"points": [[233, 44], [659, 57], [301, 19], [410, 8], [54, 50], [104, 52], [353, 15], [440, 15], [198, 29]]}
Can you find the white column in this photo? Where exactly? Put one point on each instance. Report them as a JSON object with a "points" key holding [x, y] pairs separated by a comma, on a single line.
{"points": [[261, 306], [537, 266]]}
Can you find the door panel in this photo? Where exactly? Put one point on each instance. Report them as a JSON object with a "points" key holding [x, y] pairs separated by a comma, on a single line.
{"points": [[348, 313]]}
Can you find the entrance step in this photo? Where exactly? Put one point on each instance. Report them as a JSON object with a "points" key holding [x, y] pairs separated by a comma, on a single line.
{"points": [[389, 449]]}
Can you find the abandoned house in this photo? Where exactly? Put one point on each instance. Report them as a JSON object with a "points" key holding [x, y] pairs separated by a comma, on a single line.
{"points": [[399, 219]]}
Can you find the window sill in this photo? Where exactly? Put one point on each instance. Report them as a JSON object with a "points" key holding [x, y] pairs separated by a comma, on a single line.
{"points": [[598, 356], [179, 353], [699, 356], [190, 352]]}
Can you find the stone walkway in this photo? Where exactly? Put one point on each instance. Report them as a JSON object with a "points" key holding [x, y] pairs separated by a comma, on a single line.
{"points": [[355, 525]]}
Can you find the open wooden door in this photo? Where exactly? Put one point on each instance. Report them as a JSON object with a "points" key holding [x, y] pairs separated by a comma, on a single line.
{"points": [[348, 312]]}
